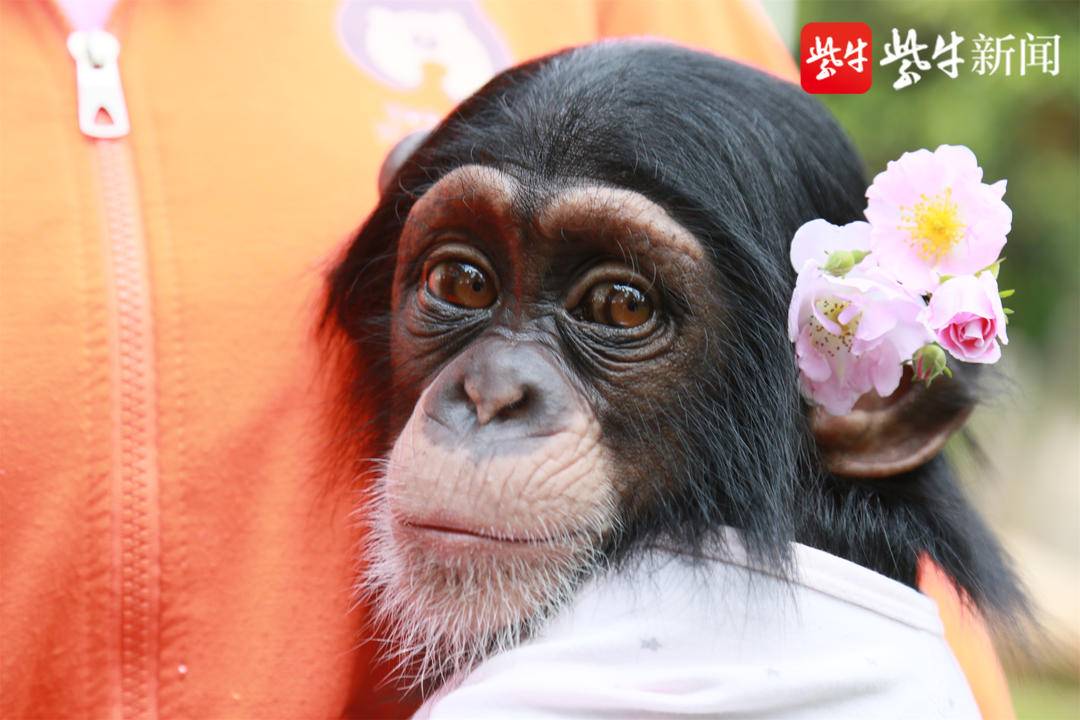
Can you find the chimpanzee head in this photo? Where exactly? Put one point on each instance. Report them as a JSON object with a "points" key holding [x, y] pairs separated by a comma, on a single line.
{"points": [[568, 315]]}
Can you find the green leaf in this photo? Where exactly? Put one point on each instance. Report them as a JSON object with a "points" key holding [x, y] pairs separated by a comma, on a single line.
{"points": [[993, 269], [1006, 293]]}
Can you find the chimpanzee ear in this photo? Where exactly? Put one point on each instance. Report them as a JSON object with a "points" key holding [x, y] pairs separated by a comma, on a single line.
{"points": [[883, 437], [397, 157]]}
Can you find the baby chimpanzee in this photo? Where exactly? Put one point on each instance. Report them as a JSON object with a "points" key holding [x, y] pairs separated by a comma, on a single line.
{"points": [[601, 492]]}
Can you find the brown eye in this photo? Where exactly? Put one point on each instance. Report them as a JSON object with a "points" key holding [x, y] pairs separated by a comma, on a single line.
{"points": [[616, 304], [461, 283]]}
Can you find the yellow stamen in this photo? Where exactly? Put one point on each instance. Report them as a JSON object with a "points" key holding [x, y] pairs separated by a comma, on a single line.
{"points": [[934, 225], [826, 342]]}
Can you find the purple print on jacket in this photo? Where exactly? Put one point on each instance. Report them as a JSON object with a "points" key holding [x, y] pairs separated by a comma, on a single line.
{"points": [[393, 41]]}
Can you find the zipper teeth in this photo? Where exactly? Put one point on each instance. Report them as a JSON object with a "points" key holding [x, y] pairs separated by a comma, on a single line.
{"points": [[135, 468], [132, 653]]}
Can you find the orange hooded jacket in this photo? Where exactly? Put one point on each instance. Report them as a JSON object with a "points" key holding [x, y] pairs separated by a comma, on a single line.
{"points": [[168, 548]]}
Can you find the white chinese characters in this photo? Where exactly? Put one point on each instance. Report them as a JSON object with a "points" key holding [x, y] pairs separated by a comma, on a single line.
{"points": [[825, 52], [989, 55]]}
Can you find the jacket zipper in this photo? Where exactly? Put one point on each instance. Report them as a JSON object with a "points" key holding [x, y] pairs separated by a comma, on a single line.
{"points": [[102, 109], [135, 531]]}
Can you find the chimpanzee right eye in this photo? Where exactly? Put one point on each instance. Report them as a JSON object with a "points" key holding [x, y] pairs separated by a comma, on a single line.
{"points": [[460, 283]]}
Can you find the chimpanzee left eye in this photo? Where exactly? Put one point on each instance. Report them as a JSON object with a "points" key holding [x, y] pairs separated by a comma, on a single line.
{"points": [[616, 304]]}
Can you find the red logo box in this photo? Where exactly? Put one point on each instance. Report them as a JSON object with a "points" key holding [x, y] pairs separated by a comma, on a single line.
{"points": [[836, 58]]}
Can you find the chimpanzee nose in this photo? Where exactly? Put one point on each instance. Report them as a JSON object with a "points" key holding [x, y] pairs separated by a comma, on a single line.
{"points": [[500, 395], [503, 386]]}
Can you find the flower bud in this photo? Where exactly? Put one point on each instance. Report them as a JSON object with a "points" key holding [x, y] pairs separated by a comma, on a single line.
{"points": [[840, 262], [929, 363]]}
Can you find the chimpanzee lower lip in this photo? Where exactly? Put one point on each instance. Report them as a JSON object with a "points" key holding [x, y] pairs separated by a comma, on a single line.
{"points": [[471, 533]]}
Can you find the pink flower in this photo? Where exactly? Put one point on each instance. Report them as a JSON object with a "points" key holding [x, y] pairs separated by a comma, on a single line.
{"points": [[852, 333], [931, 215], [965, 314]]}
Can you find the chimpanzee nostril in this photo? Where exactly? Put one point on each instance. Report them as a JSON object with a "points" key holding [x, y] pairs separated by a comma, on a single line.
{"points": [[519, 405]]}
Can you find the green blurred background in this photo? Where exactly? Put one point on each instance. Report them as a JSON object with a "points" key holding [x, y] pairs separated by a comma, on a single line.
{"points": [[1025, 129]]}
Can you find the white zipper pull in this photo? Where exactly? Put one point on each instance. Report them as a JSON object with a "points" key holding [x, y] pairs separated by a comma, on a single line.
{"points": [[102, 110]]}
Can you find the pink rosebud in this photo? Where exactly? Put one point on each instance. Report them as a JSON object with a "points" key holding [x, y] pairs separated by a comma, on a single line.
{"points": [[932, 215], [966, 316], [930, 363], [852, 333]]}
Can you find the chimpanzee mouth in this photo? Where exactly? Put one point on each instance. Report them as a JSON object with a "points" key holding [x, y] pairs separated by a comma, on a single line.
{"points": [[459, 531]]}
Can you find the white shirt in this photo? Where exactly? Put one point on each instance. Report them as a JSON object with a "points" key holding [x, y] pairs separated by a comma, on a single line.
{"points": [[726, 639]]}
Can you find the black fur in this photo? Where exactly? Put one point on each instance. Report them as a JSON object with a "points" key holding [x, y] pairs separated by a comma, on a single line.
{"points": [[740, 159]]}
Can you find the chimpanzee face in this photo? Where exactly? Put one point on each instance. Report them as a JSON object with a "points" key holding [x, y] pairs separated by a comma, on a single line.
{"points": [[525, 319]]}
